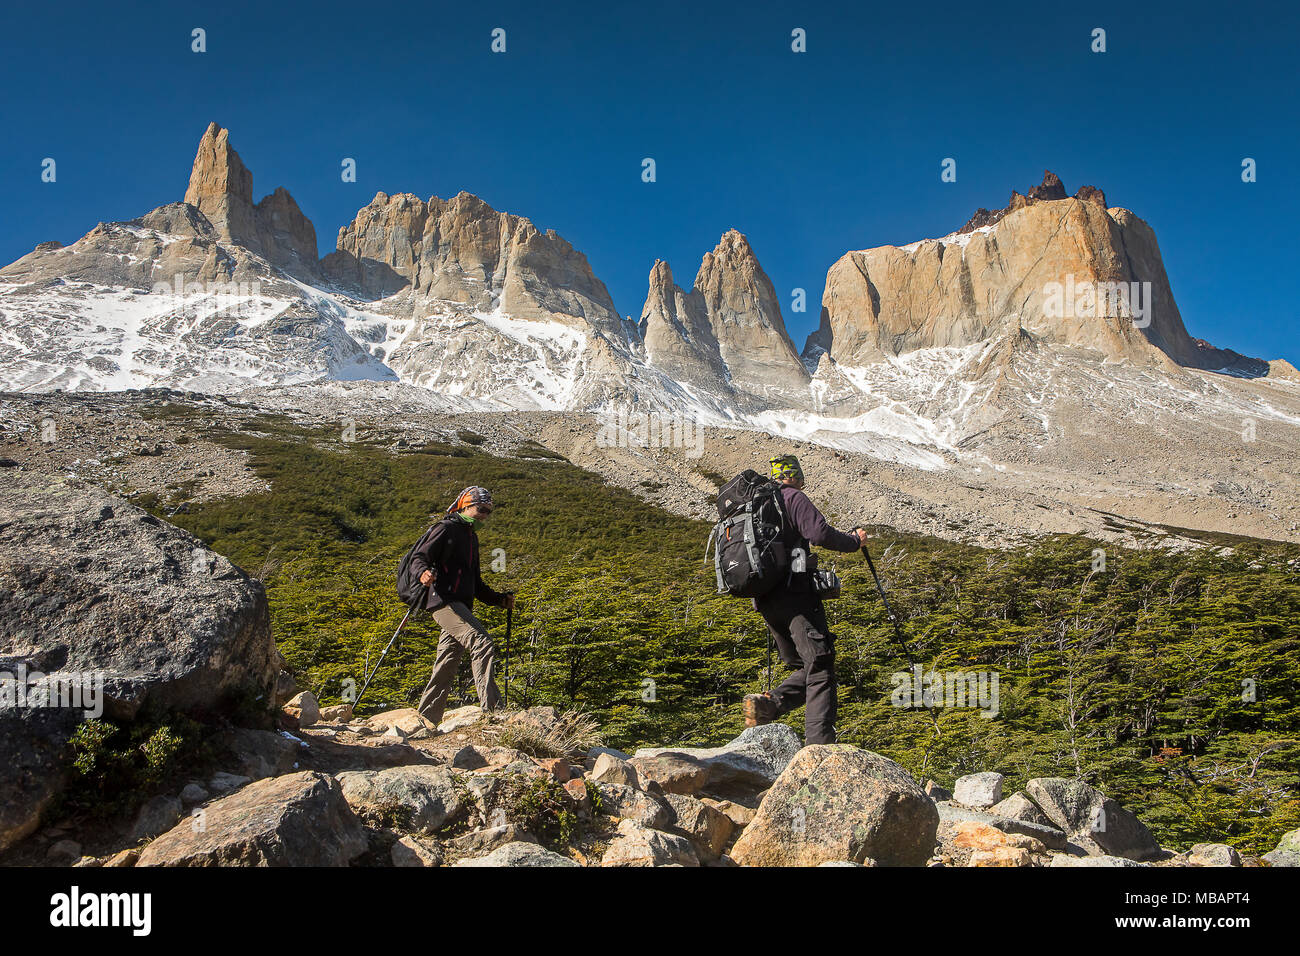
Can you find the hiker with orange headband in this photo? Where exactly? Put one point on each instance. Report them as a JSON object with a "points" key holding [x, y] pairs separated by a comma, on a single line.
{"points": [[446, 561]]}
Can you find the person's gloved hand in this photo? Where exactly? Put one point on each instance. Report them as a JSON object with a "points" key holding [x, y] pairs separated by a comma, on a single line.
{"points": [[510, 600]]}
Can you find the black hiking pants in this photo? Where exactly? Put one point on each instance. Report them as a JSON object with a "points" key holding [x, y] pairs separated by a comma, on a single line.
{"points": [[797, 621]]}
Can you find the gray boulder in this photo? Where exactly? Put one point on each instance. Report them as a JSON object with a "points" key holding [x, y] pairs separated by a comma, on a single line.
{"points": [[520, 854], [480, 842], [636, 845], [1213, 854], [614, 770], [747, 765], [416, 798], [94, 589], [300, 819], [674, 772], [1019, 807], [836, 802], [628, 803], [978, 790], [157, 816], [1287, 851], [1062, 859], [950, 815], [1091, 819], [706, 827]]}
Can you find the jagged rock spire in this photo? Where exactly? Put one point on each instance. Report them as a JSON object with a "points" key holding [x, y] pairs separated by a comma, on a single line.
{"points": [[221, 187], [728, 328]]}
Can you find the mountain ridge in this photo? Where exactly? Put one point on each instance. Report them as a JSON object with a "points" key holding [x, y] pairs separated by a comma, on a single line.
{"points": [[925, 354]]}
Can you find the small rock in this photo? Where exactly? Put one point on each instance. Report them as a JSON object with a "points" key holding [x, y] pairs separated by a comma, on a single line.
{"points": [[619, 800], [123, 858], [520, 854], [304, 709], [1019, 807], [594, 754], [460, 717], [338, 714], [1062, 859], [409, 851], [614, 770], [222, 782], [158, 815], [417, 797], [63, 853], [1213, 854], [557, 767], [193, 793], [1001, 856], [479, 842], [405, 722], [936, 792], [469, 757], [706, 827], [740, 816]]}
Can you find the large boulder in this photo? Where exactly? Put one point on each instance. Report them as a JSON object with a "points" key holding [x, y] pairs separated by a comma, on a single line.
{"points": [[300, 819], [747, 765], [1287, 851], [836, 802], [636, 845], [411, 798], [673, 772], [125, 609], [1091, 819]]}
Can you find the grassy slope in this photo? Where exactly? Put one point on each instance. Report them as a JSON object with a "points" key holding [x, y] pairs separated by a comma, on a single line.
{"points": [[1131, 677]]}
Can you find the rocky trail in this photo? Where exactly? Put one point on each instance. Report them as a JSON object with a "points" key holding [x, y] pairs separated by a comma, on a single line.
{"points": [[186, 634]]}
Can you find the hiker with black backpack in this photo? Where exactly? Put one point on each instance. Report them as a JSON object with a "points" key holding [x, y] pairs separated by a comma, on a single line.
{"points": [[446, 562], [763, 552]]}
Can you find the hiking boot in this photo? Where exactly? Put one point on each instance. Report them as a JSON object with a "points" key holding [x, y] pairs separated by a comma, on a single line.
{"points": [[758, 709]]}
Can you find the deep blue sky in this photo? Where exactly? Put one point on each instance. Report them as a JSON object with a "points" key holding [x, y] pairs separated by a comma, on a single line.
{"points": [[809, 154]]}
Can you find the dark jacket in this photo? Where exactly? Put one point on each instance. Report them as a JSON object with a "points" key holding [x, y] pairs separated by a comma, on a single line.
{"points": [[804, 526], [450, 551]]}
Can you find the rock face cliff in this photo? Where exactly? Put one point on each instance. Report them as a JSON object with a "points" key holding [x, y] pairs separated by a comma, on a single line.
{"points": [[221, 188], [727, 331], [464, 251], [1067, 271]]}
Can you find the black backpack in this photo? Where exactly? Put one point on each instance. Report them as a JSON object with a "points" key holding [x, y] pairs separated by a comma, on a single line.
{"points": [[748, 554], [408, 583]]}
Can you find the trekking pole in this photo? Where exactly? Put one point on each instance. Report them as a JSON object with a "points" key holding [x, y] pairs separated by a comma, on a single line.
{"points": [[391, 642], [893, 618], [769, 662], [898, 630]]}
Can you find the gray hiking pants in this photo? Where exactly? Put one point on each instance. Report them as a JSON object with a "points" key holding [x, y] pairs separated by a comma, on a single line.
{"points": [[797, 622], [461, 631]]}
